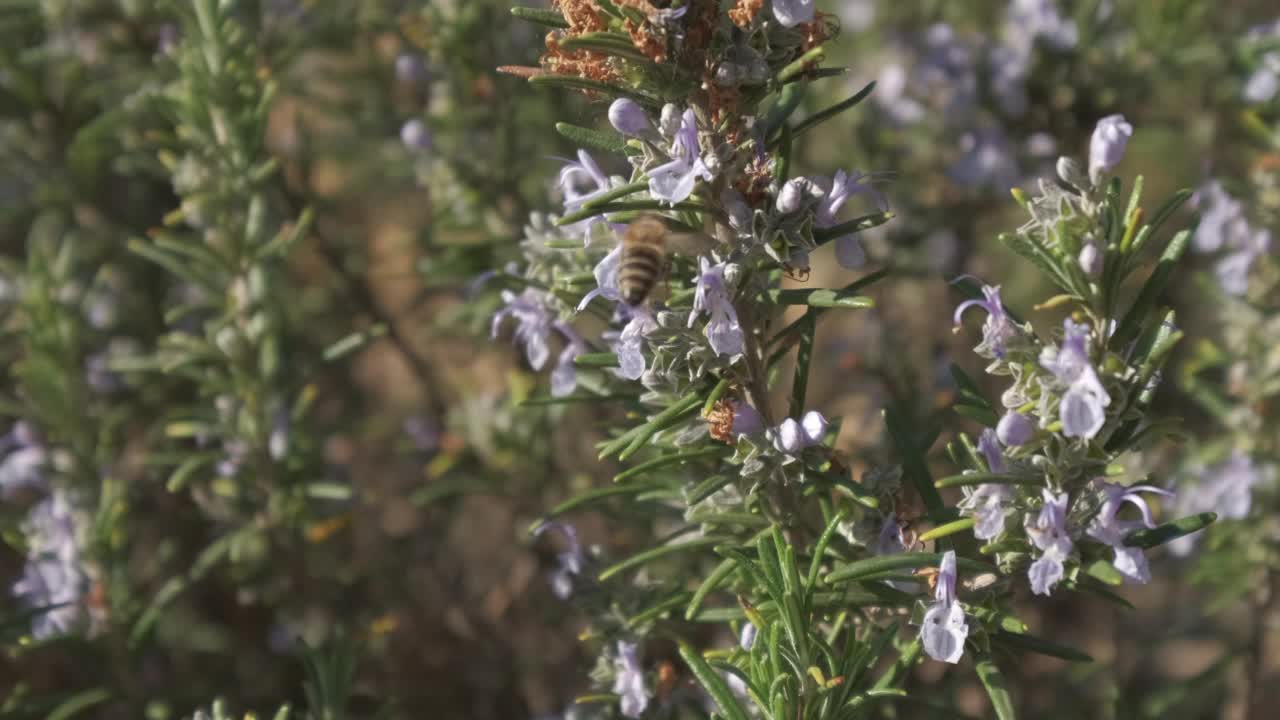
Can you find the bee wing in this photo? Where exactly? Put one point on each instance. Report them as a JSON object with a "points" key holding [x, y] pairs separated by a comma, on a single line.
{"points": [[690, 244]]}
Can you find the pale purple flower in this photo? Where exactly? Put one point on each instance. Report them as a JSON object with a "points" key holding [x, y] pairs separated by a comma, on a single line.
{"points": [[1034, 20], [747, 637], [712, 297], [1048, 531], [746, 419], [606, 272], [836, 191], [1220, 215], [630, 345], [1108, 529], [54, 574], [579, 182], [998, 330], [415, 135], [792, 437], [533, 323], [564, 377], [673, 182], [1264, 81], [23, 459], [1232, 271], [1082, 409], [1225, 488], [628, 681], [944, 630], [1015, 429], [856, 15], [890, 540], [1008, 67], [1106, 147], [987, 160], [627, 117], [1090, 259], [987, 502], [570, 559], [793, 12], [411, 69]]}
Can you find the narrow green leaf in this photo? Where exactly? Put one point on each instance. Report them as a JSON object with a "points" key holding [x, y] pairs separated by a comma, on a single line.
{"points": [[900, 561], [353, 342], [1149, 538], [74, 705], [993, 680], [627, 206], [666, 460], [913, 462], [804, 354], [801, 64], [716, 393], [541, 16], [985, 478], [827, 113], [788, 100], [713, 581], [1031, 643], [822, 298], [656, 553], [594, 139], [1105, 572], [682, 408], [591, 497], [866, 222], [712, 683], [1160, 277], [617, 193], [950, 528], [577, 83], [596, 360]]}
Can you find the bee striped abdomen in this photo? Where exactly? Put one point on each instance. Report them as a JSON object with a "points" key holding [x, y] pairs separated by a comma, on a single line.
{"points": [[643, 255], [638, 272]]}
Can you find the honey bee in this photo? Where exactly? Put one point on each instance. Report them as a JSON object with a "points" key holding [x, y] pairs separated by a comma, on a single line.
{"points": [[645, 244]]}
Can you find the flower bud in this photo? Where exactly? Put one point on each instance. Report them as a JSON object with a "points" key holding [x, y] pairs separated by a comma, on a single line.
{"points": [[627, 117], [1106, 147], [1090, 259], [1014, 429], [410, 69], [669, 123], [1072, 173], [732, 274], [414, 135]]}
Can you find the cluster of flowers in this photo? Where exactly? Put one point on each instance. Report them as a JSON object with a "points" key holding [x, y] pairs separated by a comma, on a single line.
{"points": [[945, 72], [1040, 488], [54, 580], [1044, 463]]}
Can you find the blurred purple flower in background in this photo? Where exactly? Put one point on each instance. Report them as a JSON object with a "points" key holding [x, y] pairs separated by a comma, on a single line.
{"points": [[570, 559], [53, 574], [533, 323], [415, 135], [628, 683], [23, 459]]}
